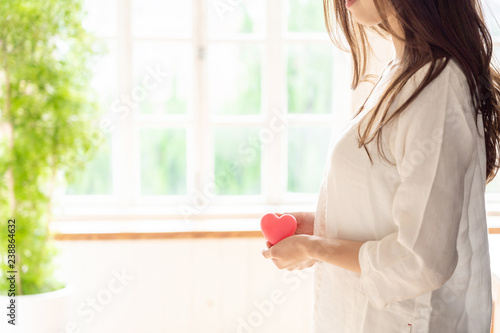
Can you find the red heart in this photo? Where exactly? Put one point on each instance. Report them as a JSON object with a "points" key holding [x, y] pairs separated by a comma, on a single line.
{"points": [[277, 228]]}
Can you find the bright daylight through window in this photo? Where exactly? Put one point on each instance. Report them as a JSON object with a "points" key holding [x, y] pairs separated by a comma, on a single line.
{"points": [[215, 109]]}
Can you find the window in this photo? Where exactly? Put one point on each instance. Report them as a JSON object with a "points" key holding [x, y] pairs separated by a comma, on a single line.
{"points": [[212, 103], [215, 103], [492, 13]]}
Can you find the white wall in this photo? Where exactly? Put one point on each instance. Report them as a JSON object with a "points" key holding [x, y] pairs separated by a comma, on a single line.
{"points": [[205, 285]]}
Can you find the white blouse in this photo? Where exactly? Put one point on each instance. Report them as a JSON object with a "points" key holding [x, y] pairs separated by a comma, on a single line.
{"points": [[425, 265]]}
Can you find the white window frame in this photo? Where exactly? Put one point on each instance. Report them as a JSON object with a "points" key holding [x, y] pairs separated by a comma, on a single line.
{"points": [[126, 199], [493, 199]]}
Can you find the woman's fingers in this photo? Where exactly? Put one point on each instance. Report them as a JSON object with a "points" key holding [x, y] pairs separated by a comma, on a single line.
{"points": [[310, 263], [280, 265], [268, 254]]}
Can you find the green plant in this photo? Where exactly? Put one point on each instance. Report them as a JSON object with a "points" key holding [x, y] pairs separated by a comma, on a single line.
{"points": [[47, 115]]}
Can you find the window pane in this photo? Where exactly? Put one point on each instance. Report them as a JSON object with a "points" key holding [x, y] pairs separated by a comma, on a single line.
{"points": [[163, 161], [235, 18], [237, 161], [310, 78], [235, 75], [305, 16], [307, 155], [161, 18], [162, 77], [494, 186], [102, 18], [96, 178], [105, 79], [496, 55], [492, 15]]}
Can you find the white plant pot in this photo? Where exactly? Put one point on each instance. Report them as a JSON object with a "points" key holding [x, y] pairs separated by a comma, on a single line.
{"points": [[40, 313]]}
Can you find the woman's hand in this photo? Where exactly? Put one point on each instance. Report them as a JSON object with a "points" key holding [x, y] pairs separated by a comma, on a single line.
{"points": [[291, 253], [302, 251], [305, 222]]}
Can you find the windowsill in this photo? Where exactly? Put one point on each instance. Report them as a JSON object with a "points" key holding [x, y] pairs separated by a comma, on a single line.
{"points": [[130, 229], [155, 229], [118, 223]]}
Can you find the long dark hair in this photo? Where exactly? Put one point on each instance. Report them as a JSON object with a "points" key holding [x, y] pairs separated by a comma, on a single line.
{"points": [[433, 30]]}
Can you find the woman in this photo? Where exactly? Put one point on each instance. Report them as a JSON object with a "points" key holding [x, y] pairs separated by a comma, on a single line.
{"points": [[399, 237]]}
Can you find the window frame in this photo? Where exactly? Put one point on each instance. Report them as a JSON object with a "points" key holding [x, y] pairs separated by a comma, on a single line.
{"points": [[126, 199], [199, 124]]}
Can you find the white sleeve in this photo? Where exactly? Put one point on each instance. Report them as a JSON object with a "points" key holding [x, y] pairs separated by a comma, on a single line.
{"points": [[433, 144]]}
